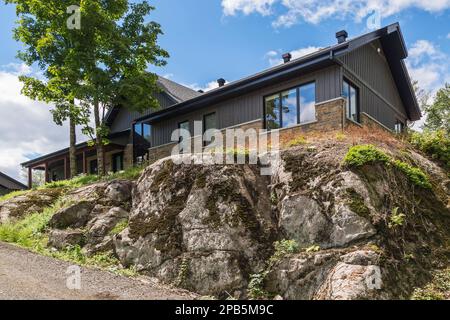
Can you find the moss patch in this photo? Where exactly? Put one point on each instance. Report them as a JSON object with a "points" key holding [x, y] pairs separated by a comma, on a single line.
{"points": [[356, 203]]}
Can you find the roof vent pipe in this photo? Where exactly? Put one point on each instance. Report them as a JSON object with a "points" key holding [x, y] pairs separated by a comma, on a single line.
{"points": [[341, 36], [287, 57], [221, 82]]}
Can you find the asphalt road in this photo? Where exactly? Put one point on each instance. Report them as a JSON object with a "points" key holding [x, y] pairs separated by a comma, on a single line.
{"points": [[25, 275]]}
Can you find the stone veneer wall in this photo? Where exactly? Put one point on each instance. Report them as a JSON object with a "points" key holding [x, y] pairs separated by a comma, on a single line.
{"points": [[368, 121], [128, 156], [330, 116]]}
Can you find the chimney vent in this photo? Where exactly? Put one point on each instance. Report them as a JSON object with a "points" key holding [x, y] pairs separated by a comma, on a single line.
{"points": [[221, 82], [341, 36], [287, 57]]}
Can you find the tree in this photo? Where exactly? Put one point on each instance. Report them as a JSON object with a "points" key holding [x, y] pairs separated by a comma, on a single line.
{"points": [[43, 30], [438, 113], [114, 49], [101, 64]]}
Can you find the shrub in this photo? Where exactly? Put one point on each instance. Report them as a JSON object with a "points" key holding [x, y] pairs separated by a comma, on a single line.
{"points": [[435, 144], [363, 154], [256, 285], [415, 175], [396, 219], [282, 249]]}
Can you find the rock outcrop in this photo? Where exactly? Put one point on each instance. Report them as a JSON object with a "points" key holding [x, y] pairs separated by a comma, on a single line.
{"points": [[363, 233], [28, 203], [207, 228], [89, 216]]}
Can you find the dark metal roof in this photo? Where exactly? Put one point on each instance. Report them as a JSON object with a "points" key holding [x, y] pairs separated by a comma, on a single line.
{"points": [[177, 91], [66, 150], [393, 45], [14, 182]]}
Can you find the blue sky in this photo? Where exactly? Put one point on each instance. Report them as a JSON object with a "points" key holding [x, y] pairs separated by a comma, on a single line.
{"points": [[210, 39]]}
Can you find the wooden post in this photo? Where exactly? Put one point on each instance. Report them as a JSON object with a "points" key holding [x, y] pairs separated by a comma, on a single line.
{"points": [[84, 163], [30, 177], [65, 168], [46, 173]]}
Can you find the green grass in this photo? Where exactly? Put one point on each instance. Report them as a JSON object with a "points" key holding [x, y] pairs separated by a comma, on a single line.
{"points": [[360, 155], [12, 195], [299, 141], [31, 233]]}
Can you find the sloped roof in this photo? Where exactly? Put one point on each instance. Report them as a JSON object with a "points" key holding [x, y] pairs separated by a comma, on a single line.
{"points": [[390, 37], [177, 91], [10, 183]]}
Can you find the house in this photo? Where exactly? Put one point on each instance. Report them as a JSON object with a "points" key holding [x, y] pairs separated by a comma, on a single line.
{"points": [[355, 82], [8, 184]]}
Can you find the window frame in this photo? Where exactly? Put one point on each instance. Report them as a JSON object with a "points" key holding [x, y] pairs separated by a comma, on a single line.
{"points": [[280, 97], [113, 158], [206, 143], [351, 84]]}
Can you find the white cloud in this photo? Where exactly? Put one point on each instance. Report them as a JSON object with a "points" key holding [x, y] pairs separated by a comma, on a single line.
{"points": [[314, 11], [428, 65], [208, 87], [263, 7], [448, 36], [273, 55], [26, 126]]}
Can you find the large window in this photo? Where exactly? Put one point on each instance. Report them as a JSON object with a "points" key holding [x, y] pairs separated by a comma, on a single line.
{"points": [[352, 106], [144, 130], [209, 121], [291, 107]]}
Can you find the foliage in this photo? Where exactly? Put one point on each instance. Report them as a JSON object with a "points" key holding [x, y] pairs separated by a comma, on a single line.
{"points": [[30, 233], [122, 225], [313, 248], [182, 272], [438, 113], [437, 289], [256, 285], [415, 175], [298, 141], [396, 219], [364, 154], [12, 195], [435, 144], [282, 249]]}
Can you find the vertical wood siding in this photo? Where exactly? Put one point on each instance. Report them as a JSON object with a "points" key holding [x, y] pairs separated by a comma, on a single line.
{"points": [[367, 64], [124, 119], [249, 107]]}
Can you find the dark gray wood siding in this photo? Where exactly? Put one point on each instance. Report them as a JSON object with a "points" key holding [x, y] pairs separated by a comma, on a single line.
{"points": [[368, 69], [125, 117], [249, 107]]}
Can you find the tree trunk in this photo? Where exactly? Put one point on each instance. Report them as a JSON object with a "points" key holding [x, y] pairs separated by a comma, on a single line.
{"points": [[98, 140], [72, 148]]}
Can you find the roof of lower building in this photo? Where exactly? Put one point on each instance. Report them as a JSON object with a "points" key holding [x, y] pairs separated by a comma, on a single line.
{"points": [[177, 91], [10, 183]]}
